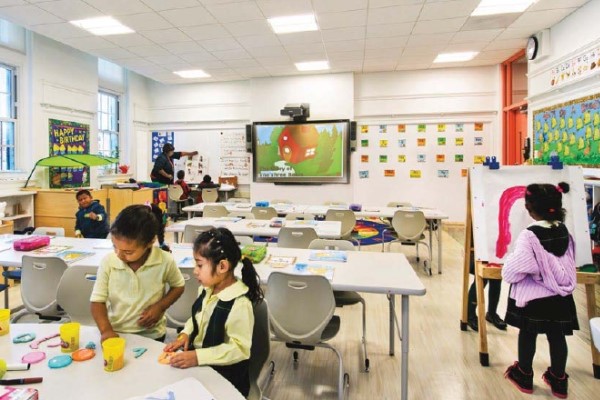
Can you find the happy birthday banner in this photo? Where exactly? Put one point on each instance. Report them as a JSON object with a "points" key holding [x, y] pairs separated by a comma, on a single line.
{"points": [[67, 137]]}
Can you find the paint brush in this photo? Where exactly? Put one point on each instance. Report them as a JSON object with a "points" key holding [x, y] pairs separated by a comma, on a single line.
{"points": [[21, 381]]}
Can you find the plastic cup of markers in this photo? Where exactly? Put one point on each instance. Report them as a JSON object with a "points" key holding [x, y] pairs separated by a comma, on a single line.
{"points": [[4, 321], [113, 351], [69, 337]]}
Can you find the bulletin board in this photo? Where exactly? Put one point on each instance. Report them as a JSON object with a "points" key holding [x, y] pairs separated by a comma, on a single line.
{"points": [[235, 161], [68, 137], [499, 214]]}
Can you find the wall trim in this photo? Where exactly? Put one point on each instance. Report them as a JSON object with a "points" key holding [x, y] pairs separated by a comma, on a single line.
{"points": [[425, 96]]}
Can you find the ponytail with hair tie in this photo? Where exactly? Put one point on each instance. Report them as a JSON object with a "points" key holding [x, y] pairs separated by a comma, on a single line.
{"points": [[252, 280]]}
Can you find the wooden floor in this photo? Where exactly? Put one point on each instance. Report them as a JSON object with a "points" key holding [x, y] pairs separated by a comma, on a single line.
{"points": [[444, 361]]}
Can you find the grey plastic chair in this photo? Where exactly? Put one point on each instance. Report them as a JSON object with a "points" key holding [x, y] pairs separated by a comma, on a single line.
{"points": [[191, 232], [348, 220], [210, 195], [409, 227], [346, 297], [301, 311], [214, 211], [242, 214], [49, 231], [296, 238], [174, 192], [300, 216], [595, 329], [264, 212], [260, 351], [74, 291], [181, 310]]}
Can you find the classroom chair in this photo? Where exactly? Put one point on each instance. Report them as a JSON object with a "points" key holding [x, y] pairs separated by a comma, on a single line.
{"points": [[259, 351], [39, 283], [74, 291], [191, 232], [243, 240], [595, 328], [301, 311], [242, 214], [348, 220], [49, 231], [346, 297], [336, 203], [296, 237], [174, 192], [181, 310], [264, 212], [210, 195], [214, 211], [300, 217], [408, 226]]}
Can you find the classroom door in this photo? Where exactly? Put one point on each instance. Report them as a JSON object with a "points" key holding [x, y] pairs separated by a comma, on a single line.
{"points": [[514, 141]]}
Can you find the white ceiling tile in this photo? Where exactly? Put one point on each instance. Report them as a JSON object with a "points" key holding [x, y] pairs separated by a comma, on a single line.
{"points": [[388, 54], [5, 3], [432, 49], [387, 30], [342, 19], [114, 53], [29, 15], [417, 59], [162, 5], [135, 62], [339, 5], [309, 48], [60, 31], [307, 57], [128, 40], [278, 8], [216, 64], [149, 51], [489, 22], [184, 47], [167, 61], [383, 43], [231, 54], [243, 63], [507, 44], [390, 15], [412, 67], [116, 8], [469, 36], [256, 27], [257, 72], [345, 55], [220, 44], [351, 65], [162, 36], [375, 65], [301, 37], [281, 69], [448, 9], [460, 47], [516, 33], [541, 19], [268, 52], [151, 69], [495, 54], [198, 56], [71, 9], [552, 4], [439, 26], [427, 40], [145, 22], [333, 35], [345, 45], [204, 32], [258, 40], [89, 43], [193, 16], [388, 3], [232, 12]]}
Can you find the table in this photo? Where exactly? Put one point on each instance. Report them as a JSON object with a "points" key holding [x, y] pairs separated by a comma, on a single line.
{"points": [[224, 189], [88, 379], [258, 227]]}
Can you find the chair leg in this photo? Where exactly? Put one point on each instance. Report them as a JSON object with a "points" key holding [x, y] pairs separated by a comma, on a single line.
{"points": [[364, 335], [342, 377]]}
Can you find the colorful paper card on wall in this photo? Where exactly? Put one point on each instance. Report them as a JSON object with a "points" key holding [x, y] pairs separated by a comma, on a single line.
{"points": [[443, 173], [478, 126], [478, 141], [459, 141], [440, 158], [364, 143], [421, 128], [66, 137], [401, 142], [364, 129], [441, 128], [401, 128], [421, 157], [415, 173], [464, 172], [389, 173], [478, 159], [421, 142], [441, 141], [459, 127], [401, 158], [364, 158], [383, 158], [382, 128], [383, 143], [458, 158], [159, 139], [363, 174]]}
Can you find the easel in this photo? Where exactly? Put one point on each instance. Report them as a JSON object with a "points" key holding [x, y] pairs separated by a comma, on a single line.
{"points": [[484, 271]]}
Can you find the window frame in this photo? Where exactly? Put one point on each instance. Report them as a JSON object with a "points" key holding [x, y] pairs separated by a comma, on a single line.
{"points": [[112, 113], [7, 163]]}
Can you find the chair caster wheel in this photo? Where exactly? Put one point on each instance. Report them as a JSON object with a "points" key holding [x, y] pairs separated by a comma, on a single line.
{"points": [[295, 355], [346, 380], [367, 365]]}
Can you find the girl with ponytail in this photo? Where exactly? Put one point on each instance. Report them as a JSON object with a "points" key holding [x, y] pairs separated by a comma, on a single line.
{"points": [[219, 332]]}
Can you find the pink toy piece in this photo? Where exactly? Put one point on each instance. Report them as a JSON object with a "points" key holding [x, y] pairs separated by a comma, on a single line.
{"points": [[36, 345], [31, 243], [33, 357]]}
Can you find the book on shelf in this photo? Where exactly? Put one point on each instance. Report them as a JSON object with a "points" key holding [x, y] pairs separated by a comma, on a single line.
{"points": [[280, 261], [314, 269], [185, 389], [70, 256], [328, 255]]}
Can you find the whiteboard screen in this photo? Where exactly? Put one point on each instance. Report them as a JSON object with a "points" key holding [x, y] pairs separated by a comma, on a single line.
{"points": [[499, 214]]}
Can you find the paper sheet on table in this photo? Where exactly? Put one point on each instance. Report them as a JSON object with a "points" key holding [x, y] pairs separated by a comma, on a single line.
{"points": [[185, 389]]}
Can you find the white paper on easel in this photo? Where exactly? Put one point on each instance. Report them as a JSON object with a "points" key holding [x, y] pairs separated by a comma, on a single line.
{"points": [[185, 389]]}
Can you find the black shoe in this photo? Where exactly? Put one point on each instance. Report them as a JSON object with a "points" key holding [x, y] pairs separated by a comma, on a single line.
{"points": [[473, 323], [521, 380], [496, 320], [559, 386]]}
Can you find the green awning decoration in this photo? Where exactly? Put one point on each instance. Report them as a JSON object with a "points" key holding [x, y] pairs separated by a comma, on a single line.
{"points": [[73, 161]]}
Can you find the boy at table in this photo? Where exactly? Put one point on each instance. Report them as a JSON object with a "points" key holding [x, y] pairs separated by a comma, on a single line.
{"points": [[91, 220]]}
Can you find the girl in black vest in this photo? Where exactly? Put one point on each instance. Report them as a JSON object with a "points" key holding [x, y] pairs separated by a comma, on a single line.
{"points": [[219, 333]]}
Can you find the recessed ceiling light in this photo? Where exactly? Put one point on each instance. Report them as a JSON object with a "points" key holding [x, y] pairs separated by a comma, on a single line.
{"points": [[192, 73], [294, 23], [455, 57], [312, 65], [102, 26], [490, 7]]}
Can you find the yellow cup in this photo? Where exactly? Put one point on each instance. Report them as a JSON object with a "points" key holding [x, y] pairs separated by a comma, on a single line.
{"points": [[4, 321], [69, 337], [113, 350]]}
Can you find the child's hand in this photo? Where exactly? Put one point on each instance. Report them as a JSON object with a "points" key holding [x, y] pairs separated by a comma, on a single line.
{"points": [[150, 316], [92, 215], [108, 335], [184, 359], [180, 342], [78, 235]]}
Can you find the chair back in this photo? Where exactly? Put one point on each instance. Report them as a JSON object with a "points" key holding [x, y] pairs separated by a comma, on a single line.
{"points": [[40, 277], [242, 214], [210, 195], [180, 311], [300, 217], [331, 244], [238, 200], [296, 237], [281, 201], [335, 203], [409, 225], [191, 232], [174, 192], [399, 204], [264, 212], [261, 347], [346, 217], [214, 211], [300, 306], [243, 240], [74, 291], [49, 231]]}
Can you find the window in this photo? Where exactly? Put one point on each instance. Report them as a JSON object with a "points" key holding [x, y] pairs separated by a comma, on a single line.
{"points": [[7, 118], [108, 124]]}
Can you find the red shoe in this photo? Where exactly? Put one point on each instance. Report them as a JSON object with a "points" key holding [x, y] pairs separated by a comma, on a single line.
{"points": [[521, 380], [559, 386]]}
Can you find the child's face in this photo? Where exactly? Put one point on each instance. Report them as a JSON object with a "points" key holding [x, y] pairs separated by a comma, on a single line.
{"points": [[84, 200], [204, 271], [128, 250]]}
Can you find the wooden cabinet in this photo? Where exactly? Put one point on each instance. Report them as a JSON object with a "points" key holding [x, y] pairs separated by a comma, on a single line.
{"points": [[6, 227], [121, 198], [19, 208]]}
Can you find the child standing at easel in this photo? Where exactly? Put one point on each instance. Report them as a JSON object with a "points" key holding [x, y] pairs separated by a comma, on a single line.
{"points": [[542, 274]]}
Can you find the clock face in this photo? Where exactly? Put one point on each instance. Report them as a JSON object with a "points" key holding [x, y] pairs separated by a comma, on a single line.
{"points": [[532, 48]]}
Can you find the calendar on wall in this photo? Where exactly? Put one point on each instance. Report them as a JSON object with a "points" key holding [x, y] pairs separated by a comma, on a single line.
{"points": [[235, 161]]}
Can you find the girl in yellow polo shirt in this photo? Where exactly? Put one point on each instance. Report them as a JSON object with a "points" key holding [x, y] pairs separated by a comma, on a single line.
{"points": [[129, 293], [219, 333]]}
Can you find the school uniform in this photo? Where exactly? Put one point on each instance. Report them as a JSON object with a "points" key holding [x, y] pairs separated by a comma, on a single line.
{"points": [[127, 293], [220, 331], [92, 228]]}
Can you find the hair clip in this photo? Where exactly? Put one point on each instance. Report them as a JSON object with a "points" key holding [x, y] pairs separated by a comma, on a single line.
{"points": [[559, 189], [148, 204], [551, 210]]}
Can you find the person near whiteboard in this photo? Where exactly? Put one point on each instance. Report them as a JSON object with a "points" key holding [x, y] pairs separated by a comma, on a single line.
{"points": [[164, 170]]}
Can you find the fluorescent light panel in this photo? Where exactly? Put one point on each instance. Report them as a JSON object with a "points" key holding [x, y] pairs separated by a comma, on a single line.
{"points": [[192, 73], [312, 65], [102, 26], [491, 7], [294, 23], [455, 57]]}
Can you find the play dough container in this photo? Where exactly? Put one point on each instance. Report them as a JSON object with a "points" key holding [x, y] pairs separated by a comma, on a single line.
{"points": [[69, 337], [4, 321], [2, 367], [113, 351]]}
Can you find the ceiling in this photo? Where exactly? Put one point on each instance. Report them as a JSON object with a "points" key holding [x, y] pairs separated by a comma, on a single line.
{"points": [[231, 39]]}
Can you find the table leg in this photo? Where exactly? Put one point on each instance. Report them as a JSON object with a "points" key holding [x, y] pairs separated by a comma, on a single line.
{"points": [[176, 237], [483, 348], [190, 214], [439, 240], [392, 301], [404, 338]]}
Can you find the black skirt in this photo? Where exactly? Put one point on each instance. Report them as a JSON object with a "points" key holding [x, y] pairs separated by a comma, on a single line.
{"points": [[555, 314]]}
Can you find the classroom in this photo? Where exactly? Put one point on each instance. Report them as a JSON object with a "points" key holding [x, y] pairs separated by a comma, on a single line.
{"points": [[446, 109]]}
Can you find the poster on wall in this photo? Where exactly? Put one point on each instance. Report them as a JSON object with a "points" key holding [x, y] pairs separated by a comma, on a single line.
{"points": [[570, 130], [194, 167], [158, 141], [68, 137], [235, 160]]}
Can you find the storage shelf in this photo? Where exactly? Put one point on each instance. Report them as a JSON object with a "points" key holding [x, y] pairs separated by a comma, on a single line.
{"points": [[15, 217]]}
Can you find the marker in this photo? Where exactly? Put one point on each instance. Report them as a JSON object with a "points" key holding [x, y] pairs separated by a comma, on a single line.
{"points": [[22, 381], [17, 367]]}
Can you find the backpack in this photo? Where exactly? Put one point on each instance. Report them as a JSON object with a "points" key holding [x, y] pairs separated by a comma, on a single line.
{"points": [[595, 224]]}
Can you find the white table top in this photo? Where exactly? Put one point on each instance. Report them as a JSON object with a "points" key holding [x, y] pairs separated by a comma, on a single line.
{"points": [[260, 227], [88, 380]]}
